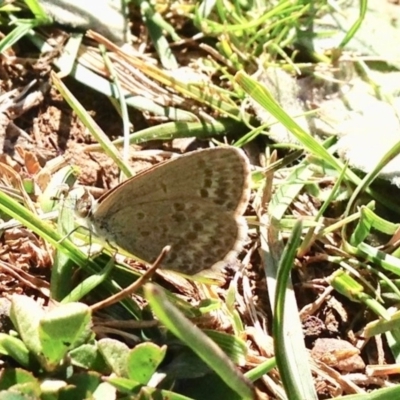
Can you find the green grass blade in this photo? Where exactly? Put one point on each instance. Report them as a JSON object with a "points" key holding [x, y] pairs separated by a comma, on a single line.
{"points": [[200, 343], [94, 129], [290, 352], [15, 35], [38, 11], [356, 26]]}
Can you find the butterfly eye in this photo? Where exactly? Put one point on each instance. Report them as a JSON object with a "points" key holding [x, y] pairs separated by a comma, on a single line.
{"points": [[83, 205]]}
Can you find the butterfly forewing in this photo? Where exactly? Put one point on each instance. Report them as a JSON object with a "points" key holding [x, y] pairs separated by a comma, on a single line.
{"points": [[193, 203], [220, 175]]}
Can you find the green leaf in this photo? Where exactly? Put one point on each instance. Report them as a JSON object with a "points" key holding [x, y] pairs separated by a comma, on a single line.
{"points": [[14, 376], [125, 385], [105, 391], [15, 348], [18, 384], [81, 386], [62, 329], [129, 386], [25, 314], [143, 361], [115, 354], [88, 356]]}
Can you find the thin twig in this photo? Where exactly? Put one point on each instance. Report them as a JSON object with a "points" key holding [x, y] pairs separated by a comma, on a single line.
{"points": [[135, 285]]}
